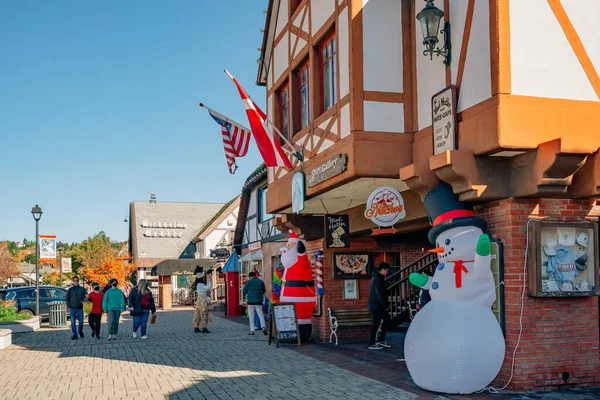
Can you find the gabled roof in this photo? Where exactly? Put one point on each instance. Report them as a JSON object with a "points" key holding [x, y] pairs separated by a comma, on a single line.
{"points": [[257, 177], [218, 218], [195, 216]]}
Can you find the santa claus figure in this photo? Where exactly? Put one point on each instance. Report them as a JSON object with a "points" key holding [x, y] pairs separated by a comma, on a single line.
{"points": [[298, 286]]}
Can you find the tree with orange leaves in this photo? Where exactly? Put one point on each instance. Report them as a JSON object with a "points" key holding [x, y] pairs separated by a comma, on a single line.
{"points": [[101, 261], [8, 267]]}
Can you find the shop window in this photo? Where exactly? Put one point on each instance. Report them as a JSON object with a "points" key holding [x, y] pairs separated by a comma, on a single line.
{"points": [[390, 257], [327, 63], [283, 100], [246, 267], [303, 96], [262, 205]]}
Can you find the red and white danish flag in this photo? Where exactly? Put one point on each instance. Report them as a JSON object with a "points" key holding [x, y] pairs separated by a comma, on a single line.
{"points": [[268, 146]]}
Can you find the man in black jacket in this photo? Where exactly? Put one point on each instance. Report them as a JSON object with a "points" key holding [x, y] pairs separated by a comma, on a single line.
{"points": [[378, 304], [75, 296]]}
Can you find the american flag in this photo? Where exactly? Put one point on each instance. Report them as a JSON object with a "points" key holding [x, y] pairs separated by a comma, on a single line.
{"points": [[236, 139]]}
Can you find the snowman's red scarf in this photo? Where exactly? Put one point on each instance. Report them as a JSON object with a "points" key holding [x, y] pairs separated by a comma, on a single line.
{"points": [[459, 268]]}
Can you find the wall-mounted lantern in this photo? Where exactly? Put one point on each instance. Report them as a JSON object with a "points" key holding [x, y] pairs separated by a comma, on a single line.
{"points": [[430, 18]]}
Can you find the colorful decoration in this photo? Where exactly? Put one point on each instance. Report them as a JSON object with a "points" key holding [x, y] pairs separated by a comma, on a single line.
{"points": [[320, 290], [277, 281], [298, 286], [454, 343]]}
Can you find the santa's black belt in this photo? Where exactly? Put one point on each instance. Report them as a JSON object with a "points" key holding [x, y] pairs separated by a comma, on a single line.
{"points": [[298, 283]]}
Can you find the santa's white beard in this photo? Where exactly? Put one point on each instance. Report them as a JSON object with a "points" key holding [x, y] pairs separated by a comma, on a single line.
{"points": [[289, 257]]}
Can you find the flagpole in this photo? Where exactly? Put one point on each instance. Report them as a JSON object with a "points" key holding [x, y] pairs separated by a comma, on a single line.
{"points": [[224, 118], [296, 153]]}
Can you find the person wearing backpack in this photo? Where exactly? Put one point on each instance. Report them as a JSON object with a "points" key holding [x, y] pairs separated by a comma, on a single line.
{"points": [[141, 304]]}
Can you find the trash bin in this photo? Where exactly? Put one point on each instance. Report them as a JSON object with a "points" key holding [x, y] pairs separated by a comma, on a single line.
{"points": [[58, 314]]}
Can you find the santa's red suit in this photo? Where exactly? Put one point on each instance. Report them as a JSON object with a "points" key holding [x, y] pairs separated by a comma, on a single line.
{"points": [[298, 286]]}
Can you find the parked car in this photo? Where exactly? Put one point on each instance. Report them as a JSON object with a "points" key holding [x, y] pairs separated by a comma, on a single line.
{"points": [[25, 298]]}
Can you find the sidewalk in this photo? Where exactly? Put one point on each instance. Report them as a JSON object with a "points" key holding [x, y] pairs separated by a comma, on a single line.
{"points": [[388, 366], [175, 363]]}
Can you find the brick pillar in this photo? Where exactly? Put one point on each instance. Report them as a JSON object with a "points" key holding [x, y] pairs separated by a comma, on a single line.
{"points": [[560, 335], [165, 292]]}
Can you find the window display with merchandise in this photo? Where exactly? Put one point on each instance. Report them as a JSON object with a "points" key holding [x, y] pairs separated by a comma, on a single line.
{"points": [[562, 259], [247, 266]]}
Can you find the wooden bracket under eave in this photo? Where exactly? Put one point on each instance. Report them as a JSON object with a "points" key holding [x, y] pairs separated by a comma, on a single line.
{"points": [[419, 177], [586, 181], [310, 227], [549, 170], [470, 177]]}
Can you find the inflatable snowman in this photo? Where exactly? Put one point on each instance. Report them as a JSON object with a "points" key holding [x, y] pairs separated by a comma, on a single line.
{"points": [[455, 344]]}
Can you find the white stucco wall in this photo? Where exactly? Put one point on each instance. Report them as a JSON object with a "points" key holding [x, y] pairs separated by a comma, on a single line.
{"points": [[343, 53], [382, 45], [280, 58], [320, 11], [550, 68], [384, 117], [345, 121], [282, 17]]}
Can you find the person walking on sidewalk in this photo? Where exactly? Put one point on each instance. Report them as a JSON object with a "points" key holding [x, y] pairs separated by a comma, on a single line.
{"points": [[201, 315], [113, 305], [95, 317], [254, 290], [75, 296], [141, 303], [378, 304]]}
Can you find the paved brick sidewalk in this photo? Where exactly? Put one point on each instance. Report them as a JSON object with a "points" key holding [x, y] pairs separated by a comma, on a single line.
{"points": [[174, 363]]}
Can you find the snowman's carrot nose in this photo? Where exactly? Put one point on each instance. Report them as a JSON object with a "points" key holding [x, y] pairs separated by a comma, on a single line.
{"points": [[438, 250]]}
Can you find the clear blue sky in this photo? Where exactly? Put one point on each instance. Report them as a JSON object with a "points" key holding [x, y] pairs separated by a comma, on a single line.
{"points": [[99, 105]]}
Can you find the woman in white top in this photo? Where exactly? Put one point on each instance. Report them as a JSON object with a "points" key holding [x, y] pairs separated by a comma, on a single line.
{"points": [[201, 316]]}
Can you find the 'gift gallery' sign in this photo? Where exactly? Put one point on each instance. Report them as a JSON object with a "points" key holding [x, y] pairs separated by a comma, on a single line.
{"points": [[443, 113], [330, 168]]}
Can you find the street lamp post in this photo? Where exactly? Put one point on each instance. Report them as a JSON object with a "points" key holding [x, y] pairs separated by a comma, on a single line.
{"points": [[60, 246], [37, 214]]}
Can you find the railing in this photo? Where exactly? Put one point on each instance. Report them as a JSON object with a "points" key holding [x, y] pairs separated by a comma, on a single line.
{"points": [[403, 295], [186, 297]]}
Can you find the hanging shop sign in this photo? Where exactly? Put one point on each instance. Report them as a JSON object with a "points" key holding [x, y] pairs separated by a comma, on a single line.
{"points": [[221, 253], [385, 206], [337, 231], [47, 249], [255, 246], [298, 192], [330, 168], [444, 122], [66, 264]]}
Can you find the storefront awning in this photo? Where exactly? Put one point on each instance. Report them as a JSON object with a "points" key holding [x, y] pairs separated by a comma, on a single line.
{"points": [[247, 257], [181, 267], [257, 256], [232, 265]]}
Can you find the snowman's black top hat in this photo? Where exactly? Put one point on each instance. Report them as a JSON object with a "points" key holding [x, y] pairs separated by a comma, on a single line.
{"points": [[445, 212]]}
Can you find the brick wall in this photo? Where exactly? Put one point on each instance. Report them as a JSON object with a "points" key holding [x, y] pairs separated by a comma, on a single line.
{"points": [[334, 288], [559, 334]]}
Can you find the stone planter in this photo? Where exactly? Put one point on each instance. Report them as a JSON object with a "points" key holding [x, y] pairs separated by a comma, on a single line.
{"points": [[28, 325], [5, 338]]}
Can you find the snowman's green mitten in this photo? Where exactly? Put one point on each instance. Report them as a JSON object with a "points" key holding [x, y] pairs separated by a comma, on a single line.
{"points": [[419, 280], [484, 247]]}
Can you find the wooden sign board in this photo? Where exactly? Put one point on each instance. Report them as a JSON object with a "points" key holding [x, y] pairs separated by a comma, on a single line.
{"points": [[284, 323], [330, 168], [444, 122]]}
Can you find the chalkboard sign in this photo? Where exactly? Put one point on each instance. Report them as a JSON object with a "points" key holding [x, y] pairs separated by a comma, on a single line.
{"points": [[337, 231], [284, 324]]}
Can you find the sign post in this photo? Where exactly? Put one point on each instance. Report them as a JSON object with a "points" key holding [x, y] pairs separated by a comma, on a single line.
{"points": [[444, 123]]}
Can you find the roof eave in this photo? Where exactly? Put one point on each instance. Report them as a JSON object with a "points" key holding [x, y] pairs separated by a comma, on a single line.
{"points": [[267, 43]]}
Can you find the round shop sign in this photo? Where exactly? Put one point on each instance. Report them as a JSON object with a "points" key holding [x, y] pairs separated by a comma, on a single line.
{"points": [[385, 206]]}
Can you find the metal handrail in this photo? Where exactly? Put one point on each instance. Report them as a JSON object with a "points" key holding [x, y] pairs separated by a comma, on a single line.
{"points": [[403, 295]]}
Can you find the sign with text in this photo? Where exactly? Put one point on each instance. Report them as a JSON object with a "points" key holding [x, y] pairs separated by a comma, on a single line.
{"points": [[66, 264], [221, 253], [444, 124], [298, 192], [330, 168], [337, 231], [255, 246], [284, 324], [385, 206], [47, 249]]}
